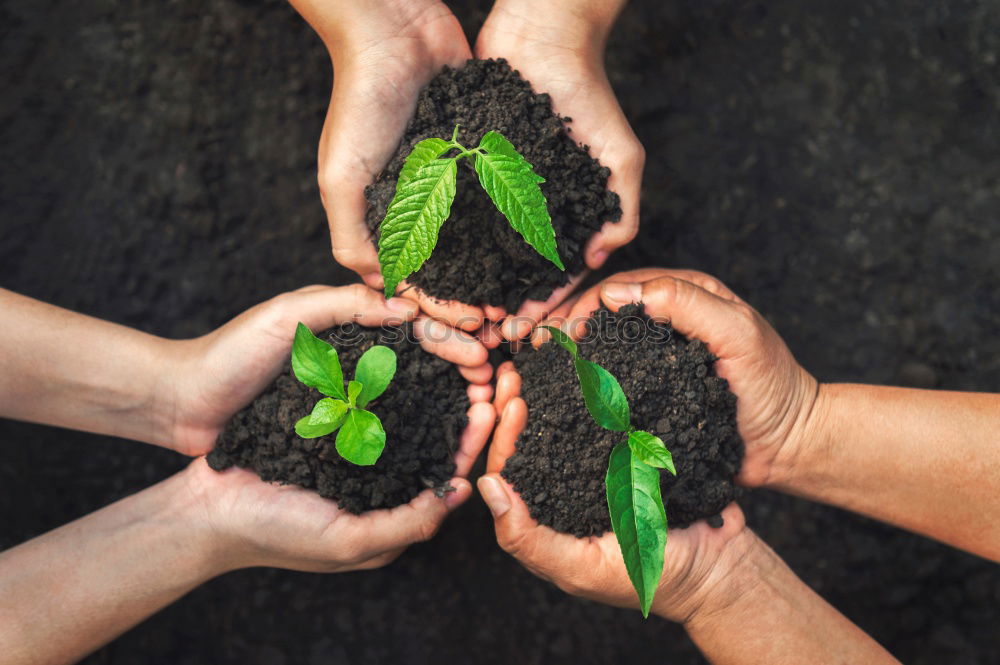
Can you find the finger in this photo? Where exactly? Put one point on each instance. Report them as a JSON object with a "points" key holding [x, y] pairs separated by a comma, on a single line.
{"points": [[533, 311], [518, 533], [508, 385], [725, 326], [448, 343], [489, 335], [477, 375], [416, 521], [483, 393], [512, 422], [322, 307], [456, 314], [482, 418], [494, 313]]}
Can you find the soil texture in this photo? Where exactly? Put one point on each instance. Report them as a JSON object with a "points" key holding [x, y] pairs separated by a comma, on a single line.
{"points": [[479, 258], [562, 455], [422, 426]]}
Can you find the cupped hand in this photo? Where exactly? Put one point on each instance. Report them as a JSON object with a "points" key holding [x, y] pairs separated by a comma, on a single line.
{"points": [[775, 395], [255, 523], [559, 47], [216, 375], [383, 53], [697, 562]]}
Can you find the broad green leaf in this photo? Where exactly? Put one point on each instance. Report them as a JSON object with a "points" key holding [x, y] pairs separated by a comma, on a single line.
{"points": [[651, 450], [513, 185], [361, 439], [326, 416], [316, 364], [563, 340], [409, 231], [638, 519], [375, 370], [423, 152], [603, 395], [354, 389]]}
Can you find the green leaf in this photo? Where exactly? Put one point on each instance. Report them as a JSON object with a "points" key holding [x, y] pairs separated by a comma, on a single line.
{"points": [[316, 364], [375, 370], [423, 152], [409, 231], [563, 340], [603, 395], [638, 519], [326, 416], [651, 450], [354, 389], [361, 439], [513, 185]]}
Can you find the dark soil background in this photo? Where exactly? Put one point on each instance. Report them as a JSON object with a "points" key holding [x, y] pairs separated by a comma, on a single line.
{"points": [[422, 427], [835, 163], [479, 257], [561, 458]]}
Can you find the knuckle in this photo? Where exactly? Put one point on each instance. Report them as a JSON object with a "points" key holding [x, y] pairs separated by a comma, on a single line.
{"points": [[427, 530]]}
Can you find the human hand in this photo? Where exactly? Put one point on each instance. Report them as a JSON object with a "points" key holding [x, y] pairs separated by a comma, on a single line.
{"points": [[255, 523], [383, 53], [216, 375], [699, 560], [775, 395], [559, 47]]}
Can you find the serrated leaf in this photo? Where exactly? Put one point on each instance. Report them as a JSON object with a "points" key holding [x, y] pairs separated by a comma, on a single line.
{"points": [[638, 519], [603, 395], [409, 231], [326, 416], [361, 439], [423, 152], [316, 364], [651, 450], [375, 370], [563, 340], [512, 184], [354, 389]]}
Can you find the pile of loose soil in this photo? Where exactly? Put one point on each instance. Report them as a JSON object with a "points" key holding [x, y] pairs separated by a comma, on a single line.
{"points": [[422, 428], [562, 455], [479, 258]]}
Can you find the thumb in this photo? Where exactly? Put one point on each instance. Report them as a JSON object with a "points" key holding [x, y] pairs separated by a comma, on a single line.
{"points": [[691, 310], [321, 307]]}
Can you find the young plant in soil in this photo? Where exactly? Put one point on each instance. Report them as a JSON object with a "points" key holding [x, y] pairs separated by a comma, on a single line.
{"points": [[425, 191], [361, 438], [632, 483]]}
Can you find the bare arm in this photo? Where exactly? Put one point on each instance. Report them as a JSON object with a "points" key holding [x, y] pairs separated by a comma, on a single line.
{"points": [[927, 461], [62, 368]]}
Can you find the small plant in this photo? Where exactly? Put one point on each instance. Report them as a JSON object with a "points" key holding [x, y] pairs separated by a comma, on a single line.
{"points": [[361, 438], [633, 480], [425, 191]]}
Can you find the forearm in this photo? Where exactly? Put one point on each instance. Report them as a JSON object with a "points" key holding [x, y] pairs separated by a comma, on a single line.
{"points": [[62, 368], [66, 593], [927, 461], [763, 613]]}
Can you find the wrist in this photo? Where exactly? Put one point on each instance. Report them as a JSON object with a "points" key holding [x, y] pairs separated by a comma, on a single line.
{"points": [[193, 503], [806, 442], [579, 26]]}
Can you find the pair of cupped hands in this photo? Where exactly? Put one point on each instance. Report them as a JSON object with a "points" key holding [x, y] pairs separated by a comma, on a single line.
{"points": [[253, 523]]}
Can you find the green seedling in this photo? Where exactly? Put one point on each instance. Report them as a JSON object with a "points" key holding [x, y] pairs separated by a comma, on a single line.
{"points": [[361, 438], [633, 480], [425, 191]]}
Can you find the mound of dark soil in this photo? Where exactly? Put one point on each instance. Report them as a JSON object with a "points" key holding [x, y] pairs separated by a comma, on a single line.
{"points": [[562, 455], [422, 428], [479, 257]]}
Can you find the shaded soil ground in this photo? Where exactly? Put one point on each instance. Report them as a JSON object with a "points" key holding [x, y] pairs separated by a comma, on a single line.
{"points": [[834, 163], [561, 457]]}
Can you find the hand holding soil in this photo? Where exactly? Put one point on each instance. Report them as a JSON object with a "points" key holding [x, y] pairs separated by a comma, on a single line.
{"points": [[383, 53]]}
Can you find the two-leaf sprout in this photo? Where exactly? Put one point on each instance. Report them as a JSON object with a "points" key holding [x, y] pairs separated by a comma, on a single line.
{"points": [[633, 479], [361, 438], [425, 191]]}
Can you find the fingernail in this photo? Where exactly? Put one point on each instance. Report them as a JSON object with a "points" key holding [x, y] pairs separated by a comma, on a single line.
{"points": [[460, 485], [401, 305], [622, 293], [494, 495]]}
